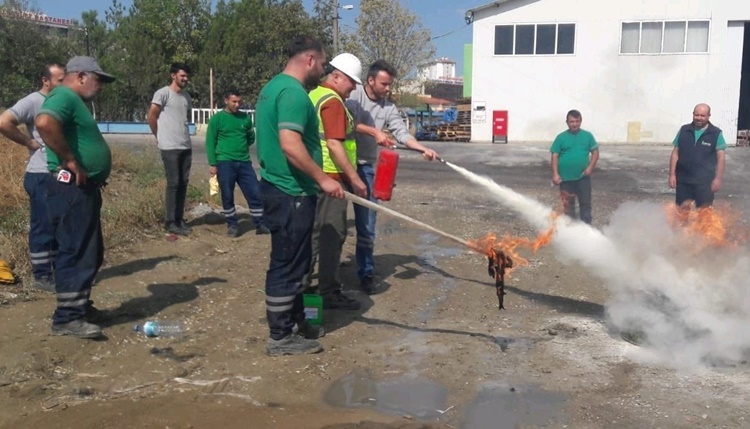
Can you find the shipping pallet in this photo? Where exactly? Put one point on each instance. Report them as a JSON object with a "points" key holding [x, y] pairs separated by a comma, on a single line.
{"points": [[743, 138]]}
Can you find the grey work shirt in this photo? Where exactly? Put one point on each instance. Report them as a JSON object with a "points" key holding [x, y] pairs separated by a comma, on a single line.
{"points": [[25, 110], [381, 114], [172, 126]]}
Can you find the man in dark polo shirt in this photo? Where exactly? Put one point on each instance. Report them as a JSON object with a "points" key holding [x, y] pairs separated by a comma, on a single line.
{"points": [[79, 162], [696, 167]]}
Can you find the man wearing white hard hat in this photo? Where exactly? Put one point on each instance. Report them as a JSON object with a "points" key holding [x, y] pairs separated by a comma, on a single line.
{"points": [[336, 128]]}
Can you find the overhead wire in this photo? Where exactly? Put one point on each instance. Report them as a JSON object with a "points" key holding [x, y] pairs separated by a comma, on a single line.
{"points": [[450, 32]]}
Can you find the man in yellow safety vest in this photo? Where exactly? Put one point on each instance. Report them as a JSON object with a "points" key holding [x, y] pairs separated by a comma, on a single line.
{"points": [[339, 148]]}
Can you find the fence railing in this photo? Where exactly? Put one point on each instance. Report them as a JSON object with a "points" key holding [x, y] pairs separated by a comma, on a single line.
{"points": [[201, 116]]}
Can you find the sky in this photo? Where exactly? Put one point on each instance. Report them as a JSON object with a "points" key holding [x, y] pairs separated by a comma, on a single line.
{"points": [[440, 16]]}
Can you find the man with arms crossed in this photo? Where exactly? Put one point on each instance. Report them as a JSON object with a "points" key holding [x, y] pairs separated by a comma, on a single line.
{"points": [[42, 242]]}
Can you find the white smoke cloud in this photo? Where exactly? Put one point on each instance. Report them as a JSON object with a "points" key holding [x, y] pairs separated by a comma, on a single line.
{"points": [[688, 301]]}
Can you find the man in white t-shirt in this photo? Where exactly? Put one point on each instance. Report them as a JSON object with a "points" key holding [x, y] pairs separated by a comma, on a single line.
{"points": [[168, 119]]}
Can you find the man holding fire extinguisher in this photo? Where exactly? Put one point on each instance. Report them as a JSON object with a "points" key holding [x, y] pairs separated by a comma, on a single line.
{"points": [[336, 129], [373, 113]]}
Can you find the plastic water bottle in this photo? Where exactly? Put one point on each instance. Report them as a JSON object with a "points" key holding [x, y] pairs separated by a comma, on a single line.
{"points": [[155, 328]]}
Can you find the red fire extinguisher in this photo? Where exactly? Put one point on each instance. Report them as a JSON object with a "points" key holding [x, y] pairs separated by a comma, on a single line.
{"points": [[385, 174]]}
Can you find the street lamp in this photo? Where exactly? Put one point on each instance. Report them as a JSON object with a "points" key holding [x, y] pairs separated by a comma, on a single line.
{"points": [[336, 18]]}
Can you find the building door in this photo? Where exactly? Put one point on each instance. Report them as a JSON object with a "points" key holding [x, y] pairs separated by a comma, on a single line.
{"points": [[743, 122]]}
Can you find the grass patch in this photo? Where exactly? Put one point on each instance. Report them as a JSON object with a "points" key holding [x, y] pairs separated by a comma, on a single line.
{"points": [[133, 201]]}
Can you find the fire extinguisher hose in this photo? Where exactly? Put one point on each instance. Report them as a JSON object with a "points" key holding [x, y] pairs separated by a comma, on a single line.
{"points": [[377, 207], [417, 150]]}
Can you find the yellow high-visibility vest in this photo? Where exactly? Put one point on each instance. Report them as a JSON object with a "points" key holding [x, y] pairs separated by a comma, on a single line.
{"points": [[319, 96]]}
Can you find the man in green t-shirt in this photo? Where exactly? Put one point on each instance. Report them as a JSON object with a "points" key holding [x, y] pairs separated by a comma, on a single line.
{"points": [[696, 166], [289, 154], [228, 139], [79, 162], [574, 156]]}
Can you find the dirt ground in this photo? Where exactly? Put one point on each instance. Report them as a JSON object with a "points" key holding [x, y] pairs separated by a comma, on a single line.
{"points": [[433, 351]]}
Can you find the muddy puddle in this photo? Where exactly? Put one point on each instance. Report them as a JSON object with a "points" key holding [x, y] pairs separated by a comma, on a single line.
{"points": [[406, 395], [505, 406]]}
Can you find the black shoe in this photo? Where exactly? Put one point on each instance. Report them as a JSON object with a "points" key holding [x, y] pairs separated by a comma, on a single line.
{"points": [[311, 332], [46, 284], [184, 225], [262, 230], [370, 287], [338, 301], [175, 229], [292, 344], [233, 231], [77, 328]]}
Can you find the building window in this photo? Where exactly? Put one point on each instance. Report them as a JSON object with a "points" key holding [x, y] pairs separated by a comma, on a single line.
{"points": [[664, 37], [535, 39]]}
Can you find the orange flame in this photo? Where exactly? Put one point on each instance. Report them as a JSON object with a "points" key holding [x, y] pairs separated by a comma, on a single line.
{"points": [[510, 245], [713, 226]]}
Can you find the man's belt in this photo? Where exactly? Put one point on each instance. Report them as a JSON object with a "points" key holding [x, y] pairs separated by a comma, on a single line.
{"points": [[68, 177]]}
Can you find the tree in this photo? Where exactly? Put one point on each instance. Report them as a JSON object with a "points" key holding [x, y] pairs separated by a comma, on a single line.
{"points": [[323, 16], [142, 44], [386, 30], [20, 64], [246, 42]]}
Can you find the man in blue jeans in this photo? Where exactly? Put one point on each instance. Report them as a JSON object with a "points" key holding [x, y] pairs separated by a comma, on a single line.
{"points": [[79, 162], [42, 243], [289, 153], [228, 139], [373, 113]]}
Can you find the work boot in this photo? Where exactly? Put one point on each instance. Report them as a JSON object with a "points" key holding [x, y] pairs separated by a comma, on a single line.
{"points": [[233, 231], [262, 230], [46, 284], [77, 328], [311, 332], [94, 315], [292, 344], [370, 287], [338, 301], [174, 228]]}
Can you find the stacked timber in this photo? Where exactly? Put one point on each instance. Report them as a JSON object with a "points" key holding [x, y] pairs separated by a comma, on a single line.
{"points": [[463, 121]]}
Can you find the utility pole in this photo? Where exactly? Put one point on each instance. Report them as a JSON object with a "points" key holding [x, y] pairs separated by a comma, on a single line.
{"points": [[335, 27]]}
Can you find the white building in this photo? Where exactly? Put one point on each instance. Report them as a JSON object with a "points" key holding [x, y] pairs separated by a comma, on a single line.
{"points": [[634, 68], [441, 68]]}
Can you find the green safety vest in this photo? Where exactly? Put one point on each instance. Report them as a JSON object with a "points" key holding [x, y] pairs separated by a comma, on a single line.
{"points": [[319, 96]]}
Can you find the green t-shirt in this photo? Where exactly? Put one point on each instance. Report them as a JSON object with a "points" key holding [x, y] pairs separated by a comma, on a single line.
{"points": [[721, 144], [229, 137], [573, 153], [283, 104], [81, 133]]}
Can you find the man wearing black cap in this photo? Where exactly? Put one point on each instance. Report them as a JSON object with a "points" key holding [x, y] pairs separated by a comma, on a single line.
{"points": [[79, 162]]}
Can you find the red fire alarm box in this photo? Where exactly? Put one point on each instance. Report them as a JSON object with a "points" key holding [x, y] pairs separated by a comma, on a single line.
{"points": [[499, 126]]}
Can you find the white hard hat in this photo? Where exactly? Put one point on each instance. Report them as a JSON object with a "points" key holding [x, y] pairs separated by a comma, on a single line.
{"points": [[349, 65]]}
